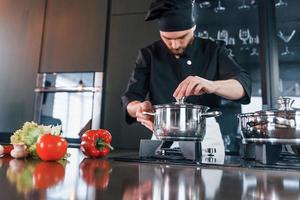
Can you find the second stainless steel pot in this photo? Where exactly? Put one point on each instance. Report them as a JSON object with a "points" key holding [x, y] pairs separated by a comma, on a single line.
{"points": [[181, 121], [272, 126]]}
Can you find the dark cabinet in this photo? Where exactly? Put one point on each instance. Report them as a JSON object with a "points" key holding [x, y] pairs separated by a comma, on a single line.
{"points": [[74, 36], [128, 33], [21, 25]]}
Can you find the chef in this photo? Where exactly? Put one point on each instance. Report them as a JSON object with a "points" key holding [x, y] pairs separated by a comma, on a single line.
{"points": [[183, 65]]}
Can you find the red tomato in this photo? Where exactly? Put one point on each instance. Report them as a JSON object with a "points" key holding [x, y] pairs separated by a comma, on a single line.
{"points": [[48, 174], [51, 147]]}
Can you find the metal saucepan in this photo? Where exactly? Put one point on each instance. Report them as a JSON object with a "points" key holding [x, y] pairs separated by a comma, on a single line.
{"points": [[180, 121], [272, 126]]}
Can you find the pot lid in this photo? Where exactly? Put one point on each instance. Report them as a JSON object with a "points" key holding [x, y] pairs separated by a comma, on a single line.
{"points": [[285, 108], [181, 104], [184, 105]]}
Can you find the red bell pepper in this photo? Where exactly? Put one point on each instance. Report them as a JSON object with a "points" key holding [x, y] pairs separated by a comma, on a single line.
{"points": [[96, 143]]}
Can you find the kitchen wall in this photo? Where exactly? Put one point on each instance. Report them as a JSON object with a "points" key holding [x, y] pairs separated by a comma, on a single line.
{"points": [[33, 38], [74, 36], [44, 36], [20, 40]]}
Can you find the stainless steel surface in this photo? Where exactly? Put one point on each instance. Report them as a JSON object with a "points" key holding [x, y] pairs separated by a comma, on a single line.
{"points": [[282, 125], [272, 140], [68, 89], [180, 121], [180, 101], [91, 179]]}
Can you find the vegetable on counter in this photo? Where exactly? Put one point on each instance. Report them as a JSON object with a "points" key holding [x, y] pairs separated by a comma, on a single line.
{"points": [[96, 143], [51, 147], [29, 134], [6, 149], [19, 151]]}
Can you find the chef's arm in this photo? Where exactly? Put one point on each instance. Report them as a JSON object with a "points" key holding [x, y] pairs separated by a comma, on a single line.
{"points": [[230, 89]]}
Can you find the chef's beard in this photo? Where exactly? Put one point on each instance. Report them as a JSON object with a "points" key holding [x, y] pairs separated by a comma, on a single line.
{"points": [[181, 50], [177, 52]]}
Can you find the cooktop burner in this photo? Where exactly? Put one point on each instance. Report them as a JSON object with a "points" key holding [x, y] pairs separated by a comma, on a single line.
{"points": [[189, 150], [189, 153], [179, 152]]}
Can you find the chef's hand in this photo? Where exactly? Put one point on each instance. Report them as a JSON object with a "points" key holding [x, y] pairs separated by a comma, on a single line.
{"points": [[194, 85], [144, 119]]}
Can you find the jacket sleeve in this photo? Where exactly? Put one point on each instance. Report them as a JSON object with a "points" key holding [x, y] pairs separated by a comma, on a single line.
{"points": [[138, 84], [230, 69]]}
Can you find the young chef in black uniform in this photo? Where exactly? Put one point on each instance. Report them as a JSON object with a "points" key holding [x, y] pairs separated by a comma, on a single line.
{"points": [[181, 64]]}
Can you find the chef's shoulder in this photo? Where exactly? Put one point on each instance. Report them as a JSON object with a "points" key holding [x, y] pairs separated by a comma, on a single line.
{"points": [[153, 47], [147, 53]]}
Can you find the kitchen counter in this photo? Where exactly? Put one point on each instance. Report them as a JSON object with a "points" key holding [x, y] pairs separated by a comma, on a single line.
{"points": [[81, 178]]}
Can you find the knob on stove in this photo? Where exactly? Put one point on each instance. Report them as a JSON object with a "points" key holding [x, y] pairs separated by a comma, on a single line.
{"points": [[210, 151]]}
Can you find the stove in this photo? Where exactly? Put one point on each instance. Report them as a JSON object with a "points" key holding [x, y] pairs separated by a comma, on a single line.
{"points": [[191, 153], [275, 155], [158, 149], [177, 153]]}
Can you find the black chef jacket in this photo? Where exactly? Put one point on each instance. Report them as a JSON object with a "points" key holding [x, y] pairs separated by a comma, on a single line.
{"points": [[157, 73]]}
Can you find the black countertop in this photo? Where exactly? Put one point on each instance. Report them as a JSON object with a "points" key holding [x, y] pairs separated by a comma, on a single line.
{"points": [[81, 178]]}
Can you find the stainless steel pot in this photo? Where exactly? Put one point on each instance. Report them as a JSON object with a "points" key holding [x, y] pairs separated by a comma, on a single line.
{"points": [[180, 121], [274, 126]]}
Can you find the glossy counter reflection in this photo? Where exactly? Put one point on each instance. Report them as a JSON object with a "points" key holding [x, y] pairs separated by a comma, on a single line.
{"points": [[81, 178]]}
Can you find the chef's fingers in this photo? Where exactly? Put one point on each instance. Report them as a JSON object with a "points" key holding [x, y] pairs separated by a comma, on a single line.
{"points": [[199, 90], [141, 116], [179, 88], [175, 94], [192, 84], [147, 123], [150, 126], [180, 91], [146, 106]]}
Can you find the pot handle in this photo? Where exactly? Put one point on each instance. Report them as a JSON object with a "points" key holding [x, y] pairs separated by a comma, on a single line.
{"points": [[149, 113], [210, 114]]}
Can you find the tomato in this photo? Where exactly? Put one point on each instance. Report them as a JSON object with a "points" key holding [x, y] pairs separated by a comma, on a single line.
{"points": [[51, 147], [48, 174]]}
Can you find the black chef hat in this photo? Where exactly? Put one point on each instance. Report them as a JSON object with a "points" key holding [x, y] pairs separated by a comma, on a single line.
{"points": [[172, 15]]}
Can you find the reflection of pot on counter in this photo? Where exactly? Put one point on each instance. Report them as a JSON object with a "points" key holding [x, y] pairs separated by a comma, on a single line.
{"points": [[172, 182], [266, 186]]}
